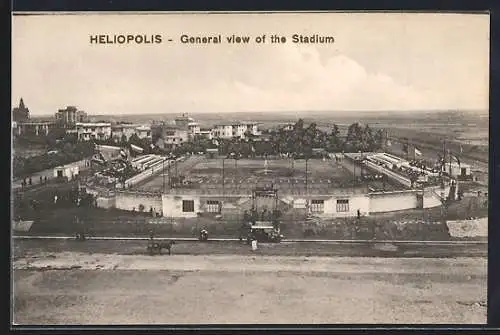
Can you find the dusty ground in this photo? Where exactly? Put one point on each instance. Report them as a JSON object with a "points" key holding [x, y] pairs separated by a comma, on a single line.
{"points": [[118, 289]]}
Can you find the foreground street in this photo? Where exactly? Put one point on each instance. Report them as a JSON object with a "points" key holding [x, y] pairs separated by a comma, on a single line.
{"points": [[82, 288]]}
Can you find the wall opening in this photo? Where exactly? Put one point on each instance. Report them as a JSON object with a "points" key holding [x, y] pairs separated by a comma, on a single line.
{"points": [[317, 206], [213, 206], [343, 205], [188, 206]]}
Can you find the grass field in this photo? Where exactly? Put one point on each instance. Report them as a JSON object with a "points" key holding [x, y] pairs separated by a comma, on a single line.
{"points": [[243, 175]]}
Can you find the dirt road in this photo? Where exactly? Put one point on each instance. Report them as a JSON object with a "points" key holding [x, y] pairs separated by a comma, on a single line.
{"points": [[183, 289]]}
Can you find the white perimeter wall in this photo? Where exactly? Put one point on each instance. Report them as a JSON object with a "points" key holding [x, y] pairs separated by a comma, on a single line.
{"points": [[131, 200], [361, 202], [172, 205], [389, 202]]}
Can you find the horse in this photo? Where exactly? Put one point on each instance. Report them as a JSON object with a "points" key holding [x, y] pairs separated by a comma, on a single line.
{"points": [[158, 246]]}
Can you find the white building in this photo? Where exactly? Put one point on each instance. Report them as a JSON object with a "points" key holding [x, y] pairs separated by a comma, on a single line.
{"points": [[206, 133], [183, 121], [238, 130], [143, 131], [128, 129], [173, 137], [120, 130], [462, 170], [68, 172], [223, 131], [93, 130], [193, 128]]}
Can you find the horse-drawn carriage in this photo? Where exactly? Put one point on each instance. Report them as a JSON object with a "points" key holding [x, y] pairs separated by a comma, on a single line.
{"points": [[261, 233], [155, 247]]}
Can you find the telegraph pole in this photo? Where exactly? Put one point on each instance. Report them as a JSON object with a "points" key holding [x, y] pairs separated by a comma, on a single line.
{"points": [[306, 176], [169, 176], [176, 172], [223, 193], [163, 173]]}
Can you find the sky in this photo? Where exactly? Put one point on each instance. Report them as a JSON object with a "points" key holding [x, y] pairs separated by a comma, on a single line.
{"points": [[379, 62]]}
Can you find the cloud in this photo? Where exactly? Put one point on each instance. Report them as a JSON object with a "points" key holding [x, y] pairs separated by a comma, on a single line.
{"points": [[296, 79]]}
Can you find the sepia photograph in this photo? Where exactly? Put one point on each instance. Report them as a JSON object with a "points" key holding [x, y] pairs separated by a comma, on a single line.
{"points": [[249, 168]]}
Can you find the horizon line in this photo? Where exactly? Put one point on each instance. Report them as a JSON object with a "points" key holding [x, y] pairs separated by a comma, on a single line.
{"points": [[486, 111]]}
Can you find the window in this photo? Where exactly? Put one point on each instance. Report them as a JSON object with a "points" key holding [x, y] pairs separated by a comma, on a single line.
{"points": [[213, 206], [343, 205], [187, 206], [317, 206]]}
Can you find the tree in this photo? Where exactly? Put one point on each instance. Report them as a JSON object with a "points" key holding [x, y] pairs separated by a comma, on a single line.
{"points": [[354, 137], [333, 140]]}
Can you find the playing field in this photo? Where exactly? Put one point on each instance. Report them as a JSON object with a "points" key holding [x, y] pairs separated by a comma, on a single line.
{"points": [[289, 176]]}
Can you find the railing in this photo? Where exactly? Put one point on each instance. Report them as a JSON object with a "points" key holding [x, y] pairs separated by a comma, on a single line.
{"points": [[403, 180]]}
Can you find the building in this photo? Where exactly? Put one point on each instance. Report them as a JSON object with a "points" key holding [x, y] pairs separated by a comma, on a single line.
{"points": [[69, 116], [236, 130], [122, 131], [223, 131], [143, 131], [93, 131], [206, 133], [68, 172], [287, 126], [455, 170], [253, 128], [41, 128], [183, 121], [172, 136], [126, 130], [21, 113], [193, 128]]}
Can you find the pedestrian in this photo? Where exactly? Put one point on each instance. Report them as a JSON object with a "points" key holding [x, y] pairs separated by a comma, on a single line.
{"points": [[30, 181], [45, 179], [41, 179]]}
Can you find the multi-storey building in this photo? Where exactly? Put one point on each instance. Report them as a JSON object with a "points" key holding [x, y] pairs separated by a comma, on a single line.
{"points": [[93, 130], [236, 130], [193, 128], [183, 121], [124, 131], [172, 136], [70, 116]]}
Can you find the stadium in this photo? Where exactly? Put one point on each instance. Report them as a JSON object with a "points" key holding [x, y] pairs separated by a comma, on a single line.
{"points": [[328, 186]]}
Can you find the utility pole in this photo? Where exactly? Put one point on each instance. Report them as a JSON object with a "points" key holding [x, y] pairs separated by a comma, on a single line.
{"points": [[176, 172], [306, 176], [169, 176], [407, 148], [163, 173], [223, 192]]}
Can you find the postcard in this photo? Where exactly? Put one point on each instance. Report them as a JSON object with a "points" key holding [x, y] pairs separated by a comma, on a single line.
{"points": [[255, 168]]}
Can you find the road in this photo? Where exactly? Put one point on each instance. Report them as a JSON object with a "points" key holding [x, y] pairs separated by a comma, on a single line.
{"points": [[443, 249], [82, 288]]}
